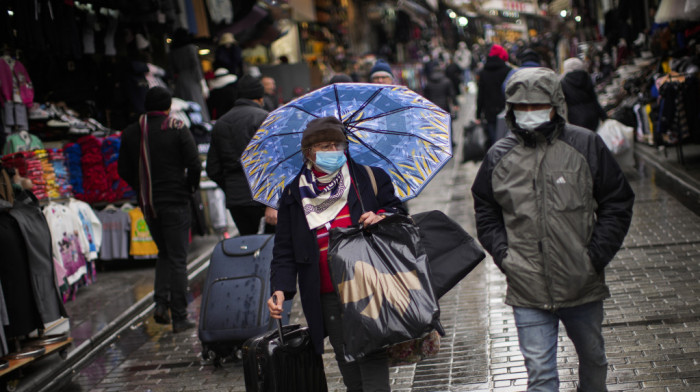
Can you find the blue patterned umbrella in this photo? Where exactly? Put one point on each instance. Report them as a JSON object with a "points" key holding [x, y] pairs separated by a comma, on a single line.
{"points": [[387, 126]]}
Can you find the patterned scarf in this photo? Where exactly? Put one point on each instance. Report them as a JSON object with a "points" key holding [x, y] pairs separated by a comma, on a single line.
{"points": [[145, 185], [323, 205]]}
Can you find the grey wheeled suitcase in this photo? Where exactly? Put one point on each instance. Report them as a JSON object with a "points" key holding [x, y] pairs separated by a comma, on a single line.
{"points": [[234, 297]]}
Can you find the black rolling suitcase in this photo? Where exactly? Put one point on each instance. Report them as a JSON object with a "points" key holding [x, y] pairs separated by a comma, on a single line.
{"points": [[283, 361], [234, 297]]}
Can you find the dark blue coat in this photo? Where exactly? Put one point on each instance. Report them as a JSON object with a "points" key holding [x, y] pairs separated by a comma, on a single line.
{"points": [[296, 253]]}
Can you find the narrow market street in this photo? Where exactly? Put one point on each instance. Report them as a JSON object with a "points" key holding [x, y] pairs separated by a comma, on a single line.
{"points": [[651, 323]]}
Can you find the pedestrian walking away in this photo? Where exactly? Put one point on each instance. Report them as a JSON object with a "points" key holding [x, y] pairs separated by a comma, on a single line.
{"points": [[229, 138], [159, 160], [552, 208], [328, 192], [490, 99], [581, 99]]}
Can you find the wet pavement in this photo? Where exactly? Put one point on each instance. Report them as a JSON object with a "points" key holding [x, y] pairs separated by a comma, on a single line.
{"points": [[652, 320]]}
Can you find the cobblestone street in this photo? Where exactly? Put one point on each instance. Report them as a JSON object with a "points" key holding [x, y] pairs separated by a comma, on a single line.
{"points": [[651, 326]]}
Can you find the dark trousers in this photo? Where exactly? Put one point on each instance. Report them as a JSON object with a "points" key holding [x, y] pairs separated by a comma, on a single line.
{"points": [[491, 132], [369, 374], [247, 219], [170, 231]]}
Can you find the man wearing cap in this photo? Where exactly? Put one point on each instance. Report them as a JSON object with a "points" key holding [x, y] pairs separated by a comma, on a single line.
{"points": [[381, 73], [489, 98], [330, 191], [229, 138], [159, 160], [552, 208]]}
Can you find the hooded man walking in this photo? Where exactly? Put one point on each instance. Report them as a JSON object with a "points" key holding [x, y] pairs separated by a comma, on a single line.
{"points": [[552, 208]]}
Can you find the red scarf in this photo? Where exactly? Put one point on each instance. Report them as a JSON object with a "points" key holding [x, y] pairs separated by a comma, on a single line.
{"points": [[145, 185]]}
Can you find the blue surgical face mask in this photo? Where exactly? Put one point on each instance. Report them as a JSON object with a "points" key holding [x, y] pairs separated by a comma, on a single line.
{"points": [[330, 161]]}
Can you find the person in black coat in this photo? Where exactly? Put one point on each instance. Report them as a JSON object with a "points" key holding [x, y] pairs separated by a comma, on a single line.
{"points": [[222, 93], [581, 99], [440, 91], [490, 99], [229, 138], [165, 187], [301, 241]]}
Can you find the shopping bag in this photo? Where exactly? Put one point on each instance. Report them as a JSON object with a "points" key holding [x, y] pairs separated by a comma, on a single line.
{"points": [[616, 135], [475, 141], [416, 350], [381, 276], [452, 252]]}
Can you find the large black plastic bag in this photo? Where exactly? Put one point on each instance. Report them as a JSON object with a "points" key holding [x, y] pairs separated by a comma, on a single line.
{"points": [[452, 252], [381, 275]]}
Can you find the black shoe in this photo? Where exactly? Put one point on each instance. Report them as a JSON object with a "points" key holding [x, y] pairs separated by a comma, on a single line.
{"points": [[161, 314], [182, 325]]}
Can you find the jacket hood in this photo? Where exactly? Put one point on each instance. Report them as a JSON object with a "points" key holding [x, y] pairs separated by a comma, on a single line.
{"points": [[534, 85]]}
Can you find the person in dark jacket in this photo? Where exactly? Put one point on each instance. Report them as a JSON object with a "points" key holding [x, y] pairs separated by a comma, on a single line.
{"points": [[222, 93], [301, 242], [159, 160], [552, 208], [581, 99], [440, 91], [490, 99], [229, 138]]}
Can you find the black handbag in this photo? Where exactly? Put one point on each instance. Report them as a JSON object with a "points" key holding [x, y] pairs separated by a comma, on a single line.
{"points": [[452, 252], [381, 275], [475, 143]]}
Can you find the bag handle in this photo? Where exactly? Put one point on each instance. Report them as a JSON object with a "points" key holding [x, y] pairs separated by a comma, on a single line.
{"points": [[372, 179]]}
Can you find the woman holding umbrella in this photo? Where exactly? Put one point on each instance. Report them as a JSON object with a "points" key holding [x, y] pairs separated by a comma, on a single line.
{"points": [[330, 191]]}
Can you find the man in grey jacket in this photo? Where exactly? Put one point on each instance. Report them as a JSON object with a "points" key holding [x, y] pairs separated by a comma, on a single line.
{"points": [[552, 208]]}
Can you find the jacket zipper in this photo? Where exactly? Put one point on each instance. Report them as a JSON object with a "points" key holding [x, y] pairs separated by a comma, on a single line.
{"points": [[543, 224]]}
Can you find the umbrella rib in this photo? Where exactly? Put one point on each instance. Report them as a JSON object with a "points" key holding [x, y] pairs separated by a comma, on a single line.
{"points": [[390, 112], [365, 103]]}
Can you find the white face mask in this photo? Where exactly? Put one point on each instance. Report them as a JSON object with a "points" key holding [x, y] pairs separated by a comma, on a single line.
{"points": [[532, 119]]}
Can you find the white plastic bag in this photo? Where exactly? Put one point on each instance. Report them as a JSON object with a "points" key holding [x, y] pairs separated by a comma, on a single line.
{"points": [[616, 135]]}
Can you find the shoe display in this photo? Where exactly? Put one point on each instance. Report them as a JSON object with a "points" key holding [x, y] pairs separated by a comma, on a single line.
{"points": [[160, 315], [182, 325]]}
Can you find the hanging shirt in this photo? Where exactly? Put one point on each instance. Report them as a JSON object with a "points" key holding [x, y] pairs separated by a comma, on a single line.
{"points": [[92, 227], [116, 227], [68, 241]]}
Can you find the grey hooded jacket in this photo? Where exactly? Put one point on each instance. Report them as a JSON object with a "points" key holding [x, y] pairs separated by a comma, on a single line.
{"points": [[552, 205]]}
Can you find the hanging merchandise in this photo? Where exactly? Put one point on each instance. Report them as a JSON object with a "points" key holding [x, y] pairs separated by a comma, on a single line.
{"points": [[69, 243], [142, 244], [91, 225], [94, 176], [116, 226], [382, 277], [16, 94], [73, 157], [119, 189], [21, 141]]}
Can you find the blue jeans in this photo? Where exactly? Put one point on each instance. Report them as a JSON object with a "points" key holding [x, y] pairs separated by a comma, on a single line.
{"points": [[538, 333], [170, 231]]}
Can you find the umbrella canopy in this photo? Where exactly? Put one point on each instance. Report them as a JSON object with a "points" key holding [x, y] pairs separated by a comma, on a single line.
{"points": [[387, 126]]}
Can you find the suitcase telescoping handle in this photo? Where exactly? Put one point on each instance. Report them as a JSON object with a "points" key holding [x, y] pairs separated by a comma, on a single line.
{"points": [[279, 322]]}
